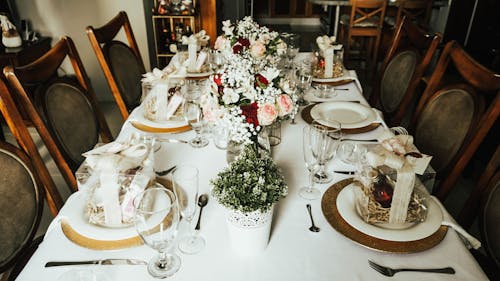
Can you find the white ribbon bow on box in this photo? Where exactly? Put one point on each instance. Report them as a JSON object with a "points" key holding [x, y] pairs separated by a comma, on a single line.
{"points": [[392, 153]]}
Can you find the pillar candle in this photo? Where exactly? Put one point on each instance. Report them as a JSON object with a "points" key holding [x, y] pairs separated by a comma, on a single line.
{"points": [[328, 52]]}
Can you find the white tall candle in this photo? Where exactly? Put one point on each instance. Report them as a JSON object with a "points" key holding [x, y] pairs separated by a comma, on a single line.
{"points": [[192, 48], [328, 52]]}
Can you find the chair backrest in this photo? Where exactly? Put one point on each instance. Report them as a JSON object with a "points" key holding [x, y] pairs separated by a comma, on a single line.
{"points": [[367, 13], [406, 61], [490, 218], [121, 63], [417, 11], [16, 124], [450, 121], [21, 204], [64, 110]]}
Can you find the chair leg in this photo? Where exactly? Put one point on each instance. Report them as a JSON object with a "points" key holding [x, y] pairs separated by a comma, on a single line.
{"points": [[376, 50]]}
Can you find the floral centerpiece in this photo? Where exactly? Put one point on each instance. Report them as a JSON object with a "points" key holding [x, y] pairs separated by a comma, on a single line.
{"points": [[248, 91], [251, 183], [249, 188]]}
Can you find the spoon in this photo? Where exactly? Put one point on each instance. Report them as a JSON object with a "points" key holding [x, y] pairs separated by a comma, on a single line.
{"points": [[313, 228], [202, 202]]}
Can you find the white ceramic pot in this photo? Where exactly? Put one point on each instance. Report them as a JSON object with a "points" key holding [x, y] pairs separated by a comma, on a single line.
{"points": [[249, 232]]}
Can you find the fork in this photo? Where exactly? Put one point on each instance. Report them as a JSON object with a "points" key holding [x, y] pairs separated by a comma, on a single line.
{"points": [[387, 271]]}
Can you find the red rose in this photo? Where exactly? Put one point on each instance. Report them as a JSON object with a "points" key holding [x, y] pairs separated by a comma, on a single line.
{"points": [[250, 113], [237, 48], [261, 81], [218, 79], [244, 42]]}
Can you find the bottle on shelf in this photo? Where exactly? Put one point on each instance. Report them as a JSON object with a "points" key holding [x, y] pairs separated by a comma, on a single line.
{"points": [[164, 38], [179, 31], [188, 31]]}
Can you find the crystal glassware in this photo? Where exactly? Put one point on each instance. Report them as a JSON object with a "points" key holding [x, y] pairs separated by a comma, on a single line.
{"points": [[324, 144], [156, 220], [309, 192], [193, 114], [303, 81], [185, 182]]}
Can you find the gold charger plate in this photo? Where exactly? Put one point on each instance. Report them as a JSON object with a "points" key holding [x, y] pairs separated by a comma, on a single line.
{"points": [[146, 128], [98, 244], [306, 116], [332, 215]]}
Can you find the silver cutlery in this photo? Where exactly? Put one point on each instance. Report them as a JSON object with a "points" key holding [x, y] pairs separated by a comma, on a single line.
{"points": [[341, 89], [202, 202], [313, 227], [359, 140], [171, 140], [165, 172], [98, 262], [387, 271], [344, 172]]}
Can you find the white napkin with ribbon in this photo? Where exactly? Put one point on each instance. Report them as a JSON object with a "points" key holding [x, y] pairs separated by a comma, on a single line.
{"points": [[469, 240]]}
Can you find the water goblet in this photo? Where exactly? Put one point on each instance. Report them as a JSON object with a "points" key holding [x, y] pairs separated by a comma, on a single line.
{"points": [[185, 182], [309, 192], [324, 143], [156, 220], [304, 81], [193, 114]]}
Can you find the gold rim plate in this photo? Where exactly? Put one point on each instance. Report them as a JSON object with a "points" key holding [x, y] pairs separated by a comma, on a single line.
{"points": [[332, 215]]}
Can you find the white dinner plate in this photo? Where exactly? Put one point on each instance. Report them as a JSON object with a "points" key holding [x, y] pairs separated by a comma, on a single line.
{"points": [[350, 115], [77, 219], [347, 209]]}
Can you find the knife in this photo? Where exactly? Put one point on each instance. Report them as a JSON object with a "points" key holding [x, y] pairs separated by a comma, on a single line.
{"points": [[344, 172], [347, 139], [171, 140], [98, 262]]}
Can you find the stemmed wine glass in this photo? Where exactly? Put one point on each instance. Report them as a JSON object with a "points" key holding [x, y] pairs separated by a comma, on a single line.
{"points": [[185, 181], [193, 114], [304, 80], [324, 143], [309, 192], [156, 220]]}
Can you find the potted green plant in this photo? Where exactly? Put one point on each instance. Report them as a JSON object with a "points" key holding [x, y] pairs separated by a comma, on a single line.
{"points": [[249, 188]]}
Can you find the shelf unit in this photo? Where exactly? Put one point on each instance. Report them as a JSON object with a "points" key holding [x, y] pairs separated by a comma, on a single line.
{"points": [[159, 21]]}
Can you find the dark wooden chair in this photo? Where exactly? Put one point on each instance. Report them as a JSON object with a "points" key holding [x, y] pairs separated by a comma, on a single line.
{"points": [[21, 206], [417, 11], [121, 63], [407, 60], [16, 124], [366, 21], [63, 109], [451, 121]]}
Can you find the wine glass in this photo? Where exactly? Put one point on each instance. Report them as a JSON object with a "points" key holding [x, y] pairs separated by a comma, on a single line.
{"points": [[156, 220], [193, 114], [185, 181], [309, 192], [304, 81], [324, 143]]}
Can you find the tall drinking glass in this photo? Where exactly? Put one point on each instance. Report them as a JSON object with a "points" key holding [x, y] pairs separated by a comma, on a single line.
{"points": [[309, 192], [185, 181], [193, 114], [156, 219], [324, 143], [304, 81]]}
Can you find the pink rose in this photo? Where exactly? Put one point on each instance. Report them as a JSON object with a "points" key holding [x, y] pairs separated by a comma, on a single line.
{"points": [[285, 105], [257, 49], [220, 42], [266, 114]]}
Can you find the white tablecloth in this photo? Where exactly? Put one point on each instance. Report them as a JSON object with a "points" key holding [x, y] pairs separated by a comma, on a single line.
{"points": [[293, 253]]}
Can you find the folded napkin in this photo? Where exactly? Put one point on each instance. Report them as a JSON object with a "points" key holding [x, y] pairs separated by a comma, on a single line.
{"points": [[469, 240]]}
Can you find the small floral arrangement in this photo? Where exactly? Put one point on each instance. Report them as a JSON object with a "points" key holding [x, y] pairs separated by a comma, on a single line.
{"points": [[249, 91], [250, 183]]}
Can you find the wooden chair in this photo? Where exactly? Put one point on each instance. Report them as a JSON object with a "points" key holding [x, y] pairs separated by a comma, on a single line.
{"points": [[16, 124], [121, 63], [450, 121], [366, 20], [404, 65], [417, 11], [21, 206], [63, 109]]}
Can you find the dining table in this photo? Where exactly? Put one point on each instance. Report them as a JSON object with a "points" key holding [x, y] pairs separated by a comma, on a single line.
{"points": [[293, 253]]}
